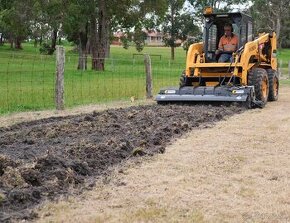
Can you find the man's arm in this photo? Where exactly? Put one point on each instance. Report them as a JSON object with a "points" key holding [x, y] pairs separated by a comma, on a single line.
{"points": [[220, 47], [237, 42]]}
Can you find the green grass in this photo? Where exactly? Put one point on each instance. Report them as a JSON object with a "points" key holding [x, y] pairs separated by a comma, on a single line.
{"points": [[284, 57], [27, 78], [285, 82]]}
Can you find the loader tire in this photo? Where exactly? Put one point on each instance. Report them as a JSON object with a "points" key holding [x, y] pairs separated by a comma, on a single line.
{"points": [[273, 85], [184, 81], [258, 78]]}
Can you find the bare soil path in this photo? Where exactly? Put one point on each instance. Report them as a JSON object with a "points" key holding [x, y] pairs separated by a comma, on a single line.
{"points": [[237, 171], [62, 156]]}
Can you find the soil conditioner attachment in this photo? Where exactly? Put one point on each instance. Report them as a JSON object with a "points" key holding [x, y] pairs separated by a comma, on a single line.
{"points": [[227, 94]]}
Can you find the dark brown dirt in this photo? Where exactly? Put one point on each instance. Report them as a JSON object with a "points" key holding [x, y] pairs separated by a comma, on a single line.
{"points": [[59, 156]]}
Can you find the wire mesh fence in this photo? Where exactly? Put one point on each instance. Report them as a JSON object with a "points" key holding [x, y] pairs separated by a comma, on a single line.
{"points": [[122, 79], [27, 82], [284, 68]]}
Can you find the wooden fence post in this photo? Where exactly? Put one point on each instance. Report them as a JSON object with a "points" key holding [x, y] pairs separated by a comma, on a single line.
{"points": [[59, 81], [148, 71]]}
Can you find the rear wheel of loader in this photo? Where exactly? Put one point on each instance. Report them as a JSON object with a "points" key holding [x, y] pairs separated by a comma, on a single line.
{"points": [[258, 78], [273, 85]]}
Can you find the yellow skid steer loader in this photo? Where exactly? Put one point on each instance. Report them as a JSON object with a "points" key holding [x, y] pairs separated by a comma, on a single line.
{"points": [[250, 77]]}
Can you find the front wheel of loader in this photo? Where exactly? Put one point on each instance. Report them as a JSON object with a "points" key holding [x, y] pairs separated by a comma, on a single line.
{"points": [[273, 85], [184, 81], [258, 78]]}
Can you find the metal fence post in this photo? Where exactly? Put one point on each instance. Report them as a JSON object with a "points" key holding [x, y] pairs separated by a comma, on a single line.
{"points": [[59, 81], [148, 71]]}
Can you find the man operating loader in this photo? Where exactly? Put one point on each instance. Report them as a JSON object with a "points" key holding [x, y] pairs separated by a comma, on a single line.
{"points": [[227, 44]]}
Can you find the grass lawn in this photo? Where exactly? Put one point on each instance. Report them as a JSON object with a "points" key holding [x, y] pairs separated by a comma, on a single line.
{"points": [[284, 57], [27, 78], [285, 82]]}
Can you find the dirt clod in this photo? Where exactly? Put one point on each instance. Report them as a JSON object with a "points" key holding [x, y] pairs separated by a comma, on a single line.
{"points": [[138, 152], [2, 197], [12, 178], [6, 162]]}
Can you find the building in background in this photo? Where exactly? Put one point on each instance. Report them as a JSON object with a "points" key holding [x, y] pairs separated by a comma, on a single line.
{"points": [[154, 38]]}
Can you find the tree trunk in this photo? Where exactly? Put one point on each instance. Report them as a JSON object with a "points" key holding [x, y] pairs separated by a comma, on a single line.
{"points": [[40, 41], [278, 31], [88, 47], [54, 39], [11, 41], [101, 37], [1, 40], [108, 42], [35, 42], [18, 43], [83, 37], [172, 53], [93, 41], [53, 42], [82, 65], [108, 49]]}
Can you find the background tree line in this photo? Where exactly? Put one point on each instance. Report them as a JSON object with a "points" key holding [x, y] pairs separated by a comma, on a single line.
{"points": [[90, 24]]}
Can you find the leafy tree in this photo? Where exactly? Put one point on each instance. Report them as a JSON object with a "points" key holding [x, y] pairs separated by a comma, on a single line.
{"points": [[124, 13], [188, 28], [284, 40], [15, 20], [177, 25], [139, 39], [52, 13], [217, 5], [192, 39], [273, 17], [76, 27], [125, 42], [38, 27]]}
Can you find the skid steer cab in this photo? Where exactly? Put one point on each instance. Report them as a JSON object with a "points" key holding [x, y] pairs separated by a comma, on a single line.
{"points": [[247, 74]]}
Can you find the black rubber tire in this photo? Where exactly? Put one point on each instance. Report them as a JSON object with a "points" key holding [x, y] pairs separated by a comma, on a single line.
{"points": [[273, 88], [184, 81], [256, 78]]}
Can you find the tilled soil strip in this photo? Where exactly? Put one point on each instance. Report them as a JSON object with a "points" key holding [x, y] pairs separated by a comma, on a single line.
{"points": [[58, 156]]}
